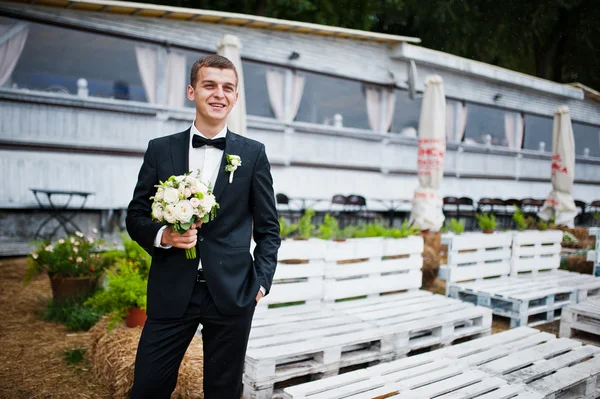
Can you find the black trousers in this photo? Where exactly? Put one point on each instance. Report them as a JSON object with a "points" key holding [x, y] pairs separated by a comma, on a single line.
{"points": [[164, 342]]}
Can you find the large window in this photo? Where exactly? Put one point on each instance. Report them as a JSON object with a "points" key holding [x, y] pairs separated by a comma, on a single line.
{"points": [[406, 114], [257, 94], [587, 136], [54, 58], [483, 121], [538, 129], [325, 96]]}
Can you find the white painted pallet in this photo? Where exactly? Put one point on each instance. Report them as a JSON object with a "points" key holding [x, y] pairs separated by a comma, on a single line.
{"points": [[534, 251], [526, 301], [315, 343], [584, 316], [422, 321], [475, 256], [560, 368], [441, 374]]}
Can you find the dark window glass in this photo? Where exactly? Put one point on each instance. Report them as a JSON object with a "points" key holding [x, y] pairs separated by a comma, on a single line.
{"points": [[587, 136], [406, 113], [537, 129], [481, 121], [54, 58], [257, 94], [325, 96]]}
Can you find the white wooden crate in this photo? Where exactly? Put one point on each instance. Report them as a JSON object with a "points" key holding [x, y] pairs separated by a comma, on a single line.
{"points": [[526, 301], [475, 256], [312, 249], [519, 363], [584, 316], [313, 343], [296, 283], [420, 319], [534, 251], [439, 374]]}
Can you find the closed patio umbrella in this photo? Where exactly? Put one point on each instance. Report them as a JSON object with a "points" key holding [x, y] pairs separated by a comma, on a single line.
{"points": [[559, 203], [229, 47], [427, 202]]}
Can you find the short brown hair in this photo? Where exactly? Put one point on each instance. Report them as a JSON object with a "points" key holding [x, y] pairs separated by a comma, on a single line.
{"points": [[211, 61]]}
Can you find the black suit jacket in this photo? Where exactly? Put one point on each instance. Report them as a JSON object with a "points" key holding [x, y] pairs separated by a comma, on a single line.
{"points": [[247, 206]]}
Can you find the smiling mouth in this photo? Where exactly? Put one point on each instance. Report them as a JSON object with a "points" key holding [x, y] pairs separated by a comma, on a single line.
{"points": [[218, 106]]}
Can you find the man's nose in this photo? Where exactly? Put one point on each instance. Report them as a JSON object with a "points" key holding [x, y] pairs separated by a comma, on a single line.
{"points": [[219, 92]]}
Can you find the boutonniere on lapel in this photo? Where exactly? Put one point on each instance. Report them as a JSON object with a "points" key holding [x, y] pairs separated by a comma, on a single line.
{"points": [[233, 162]]}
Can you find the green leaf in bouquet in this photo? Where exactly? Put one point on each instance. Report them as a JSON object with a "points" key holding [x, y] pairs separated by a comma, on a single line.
{"points": [[186, 226]]}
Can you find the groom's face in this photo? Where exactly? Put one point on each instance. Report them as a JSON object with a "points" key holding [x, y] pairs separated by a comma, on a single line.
{"points": [[215, 93]]}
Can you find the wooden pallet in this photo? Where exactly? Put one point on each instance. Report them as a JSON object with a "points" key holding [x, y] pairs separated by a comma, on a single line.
{"points": [[439, 374], [560, 368], [417, 320], [535, 251], [519, 363], [526, 301], [582, 317], [476, 256]]}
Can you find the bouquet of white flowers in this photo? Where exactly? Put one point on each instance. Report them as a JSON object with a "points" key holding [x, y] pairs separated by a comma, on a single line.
{"points": [[182, 201]]}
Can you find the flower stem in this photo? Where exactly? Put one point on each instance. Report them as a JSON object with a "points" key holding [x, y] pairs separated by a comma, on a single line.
{"points": [[190, 253]]}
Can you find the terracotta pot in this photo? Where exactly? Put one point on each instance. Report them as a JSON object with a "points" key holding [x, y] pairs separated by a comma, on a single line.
{"points": [[136, 317], [66, 288], [488, 231]]}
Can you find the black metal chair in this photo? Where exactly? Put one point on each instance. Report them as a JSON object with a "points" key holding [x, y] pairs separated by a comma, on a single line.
{"points": [[450, 207], [466, 211], [593, 209], [580, 218]]}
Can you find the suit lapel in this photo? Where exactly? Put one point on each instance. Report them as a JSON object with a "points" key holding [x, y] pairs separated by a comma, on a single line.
{"points": [[233, 146], [180, 153]]}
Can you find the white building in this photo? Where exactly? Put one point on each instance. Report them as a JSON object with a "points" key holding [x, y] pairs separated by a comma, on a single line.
{"points": [[299, 79]]}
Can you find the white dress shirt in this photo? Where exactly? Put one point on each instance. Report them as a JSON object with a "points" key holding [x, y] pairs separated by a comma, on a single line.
{"points": [[208, 160]]}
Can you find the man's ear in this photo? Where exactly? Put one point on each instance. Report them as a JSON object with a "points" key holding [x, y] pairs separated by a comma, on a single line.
{"points": [[191, 95]]}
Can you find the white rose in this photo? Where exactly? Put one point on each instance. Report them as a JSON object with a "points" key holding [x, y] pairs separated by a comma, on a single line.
{"points": [[208, 202], [190, 180], [169, 214], [49, 248], [61, 241], [171, 196], [79, 234], [194, 190], [184, 211], [202, 188], [79, 259], [179, 179], [195, 202], [235, 162], [188, 193], [160, 194], [157, 212]]}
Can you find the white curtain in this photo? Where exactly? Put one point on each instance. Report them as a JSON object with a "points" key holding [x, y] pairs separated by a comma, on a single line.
{"points": [[380, 107], [276, 89], [456, 121], [297, 92], [373, 97], [147, 60], [176, 80], [513, 129], [229, 46], [12, 42]]}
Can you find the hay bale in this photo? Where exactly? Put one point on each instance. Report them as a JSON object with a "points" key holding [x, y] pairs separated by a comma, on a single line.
{"points": [[579, 264], [112, 357], [431, 258]]}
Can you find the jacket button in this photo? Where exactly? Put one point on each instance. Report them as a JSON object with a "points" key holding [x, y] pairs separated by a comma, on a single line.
{"points": [[200, 238]]}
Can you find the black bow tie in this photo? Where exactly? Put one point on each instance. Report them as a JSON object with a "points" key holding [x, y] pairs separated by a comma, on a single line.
{"points": [[199, 141]]}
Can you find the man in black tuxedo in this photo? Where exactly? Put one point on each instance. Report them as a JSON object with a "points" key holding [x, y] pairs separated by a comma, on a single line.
{"points": [[220, 288]]}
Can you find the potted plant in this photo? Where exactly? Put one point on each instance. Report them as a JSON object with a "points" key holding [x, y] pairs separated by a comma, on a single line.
{"points": [[72, 263], [124, 296], [286, 230], [330, 229], [518, 217], [486, 222], [306, 229]]}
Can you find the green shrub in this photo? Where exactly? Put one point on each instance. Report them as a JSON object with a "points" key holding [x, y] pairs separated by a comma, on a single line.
{"points": [[286, 230], [404, 231], [126, 289], [306, 229], [519, 219], [486, 221], [329, 229], [74, 356], [454, 225], [72, 313]]}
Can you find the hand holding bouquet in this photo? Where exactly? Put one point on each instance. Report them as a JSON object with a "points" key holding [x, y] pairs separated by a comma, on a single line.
{"points": [[182, 201]]}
